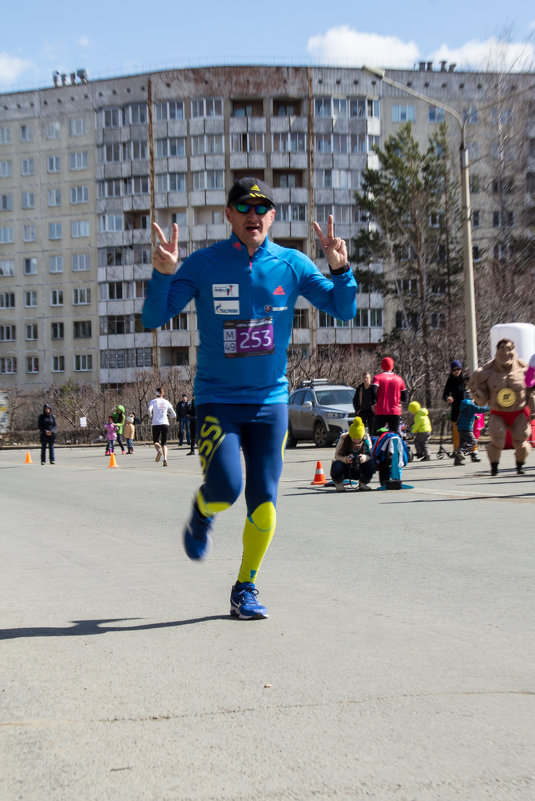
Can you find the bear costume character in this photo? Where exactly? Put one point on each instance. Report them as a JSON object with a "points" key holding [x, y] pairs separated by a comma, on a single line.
{"points": [[501, 385]]}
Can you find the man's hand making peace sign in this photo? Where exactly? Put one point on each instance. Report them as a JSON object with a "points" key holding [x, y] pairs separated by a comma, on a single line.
{"points": [[334, 248]]}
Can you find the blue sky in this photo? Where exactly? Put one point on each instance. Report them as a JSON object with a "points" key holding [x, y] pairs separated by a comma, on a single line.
{"points": [[110, 38]]}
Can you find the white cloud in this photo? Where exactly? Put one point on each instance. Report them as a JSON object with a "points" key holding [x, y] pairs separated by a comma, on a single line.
{"points": [[84, 41], [12, 67], [348, 47], [492, 54]]}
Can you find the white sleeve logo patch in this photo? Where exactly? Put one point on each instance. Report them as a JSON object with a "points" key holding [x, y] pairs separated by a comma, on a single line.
{"points": [[226, 290]]}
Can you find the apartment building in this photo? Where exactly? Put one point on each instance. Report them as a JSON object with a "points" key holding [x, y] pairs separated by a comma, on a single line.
{"points": [[78, 161]]}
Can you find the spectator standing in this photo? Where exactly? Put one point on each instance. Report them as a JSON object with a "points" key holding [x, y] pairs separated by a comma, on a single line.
{"points": [[111, 433], [118, 417], [352, 458], [468, 411], [422, 430], [183, 417], [46, 423], [129, 431], [159, 411], [389, 392], [363, 401], [192, 427], [454, 394]]}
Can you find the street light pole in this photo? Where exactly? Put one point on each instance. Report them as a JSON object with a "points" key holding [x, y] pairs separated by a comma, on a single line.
{"points": [[468, 262]]}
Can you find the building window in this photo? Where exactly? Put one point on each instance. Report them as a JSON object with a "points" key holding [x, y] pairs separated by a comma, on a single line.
{"points": [[77, 127], [56, 297], [530, 182], [289, 142], [79, 228], [376, 318], [247, 143], [55, 264], [503, 219], [7, 267], [6, 169], [58, 364], [135, 151], [292, 212], [31, 331], [111, 117], [7, 300], [81, 296], [29, 266], [170, 110], [54, 231], [78, 161], [6, 202], [7, 235], [5, 136], [470, 116], [29, 233], [476, 218], [28, 200], [57, 330], [333, 179], [403, 112], [8, 333], [32, 364], [476, 253], [110, 257], [8, 365], [30, 299], [300, 318], [81, 262], [171, 182], [54, 197], [138, 185], [136, 114], [207, 107], [26, 133], [435, 114], [209, 179], [176, 146], [27, 167], [79, 194], [53, 164], [82, 329], [52, 130], [108, 223], [83, 363]]}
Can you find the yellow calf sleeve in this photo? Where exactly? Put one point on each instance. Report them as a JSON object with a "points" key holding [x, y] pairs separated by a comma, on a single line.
{"points": [[210, 509], [257, 534]]}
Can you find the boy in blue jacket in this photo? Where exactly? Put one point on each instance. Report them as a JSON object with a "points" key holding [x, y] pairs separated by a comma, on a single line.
{"points": [[465, 424]]}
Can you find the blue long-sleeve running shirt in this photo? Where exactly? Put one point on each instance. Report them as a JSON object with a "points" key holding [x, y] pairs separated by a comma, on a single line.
{"points": [[245, 309]]}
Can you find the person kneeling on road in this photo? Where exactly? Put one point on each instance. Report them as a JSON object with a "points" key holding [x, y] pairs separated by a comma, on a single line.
{"points": [[352, 459]]}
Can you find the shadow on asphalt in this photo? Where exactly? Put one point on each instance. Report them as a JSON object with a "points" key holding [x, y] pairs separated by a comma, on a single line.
{"points": [[84, 628]]}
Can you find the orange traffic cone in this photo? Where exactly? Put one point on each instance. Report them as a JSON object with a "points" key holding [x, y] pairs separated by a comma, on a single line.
{"points": [[319, 478], [28, 458], [113, 461]]}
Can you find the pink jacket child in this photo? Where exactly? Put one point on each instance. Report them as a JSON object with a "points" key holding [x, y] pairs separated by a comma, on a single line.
{"points": [[111, 430], [479, 424], [530, 372]]}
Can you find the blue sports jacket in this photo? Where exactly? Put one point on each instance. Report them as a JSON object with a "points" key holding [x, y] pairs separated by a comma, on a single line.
{"points": [[245, 309]]}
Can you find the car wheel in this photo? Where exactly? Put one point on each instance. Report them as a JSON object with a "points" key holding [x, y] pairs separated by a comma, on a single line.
{"points": [[321, 438], [291, 441]]}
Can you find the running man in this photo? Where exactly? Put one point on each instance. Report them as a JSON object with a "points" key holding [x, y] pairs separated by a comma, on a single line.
{"points": [[159, 411], [245, 289]]}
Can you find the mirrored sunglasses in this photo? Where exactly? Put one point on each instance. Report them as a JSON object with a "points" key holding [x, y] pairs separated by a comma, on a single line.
{"points": [[245, 208]]}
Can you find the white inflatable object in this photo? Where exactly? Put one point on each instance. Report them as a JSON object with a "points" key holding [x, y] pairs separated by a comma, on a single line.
{"points": [[522, 334]]}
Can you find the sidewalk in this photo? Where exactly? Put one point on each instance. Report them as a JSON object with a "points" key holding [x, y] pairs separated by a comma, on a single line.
{"points": [[398, 661]]}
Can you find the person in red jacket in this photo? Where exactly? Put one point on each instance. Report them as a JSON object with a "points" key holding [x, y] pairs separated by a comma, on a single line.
{"points": [[389, 392]]}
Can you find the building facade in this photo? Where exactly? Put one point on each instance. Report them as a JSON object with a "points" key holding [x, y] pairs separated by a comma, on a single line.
{"points": [[84, 165]]}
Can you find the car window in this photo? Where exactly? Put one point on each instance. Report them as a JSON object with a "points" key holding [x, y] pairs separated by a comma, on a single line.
{"points": [[309, 396], [335, 397], [297, 398]]}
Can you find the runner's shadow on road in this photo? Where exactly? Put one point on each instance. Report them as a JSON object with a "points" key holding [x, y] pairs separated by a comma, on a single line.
{"points": [[84, 628]]}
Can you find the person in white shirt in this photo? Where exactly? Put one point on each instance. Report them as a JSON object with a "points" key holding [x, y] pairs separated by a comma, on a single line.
{"points": [[159, 411]]}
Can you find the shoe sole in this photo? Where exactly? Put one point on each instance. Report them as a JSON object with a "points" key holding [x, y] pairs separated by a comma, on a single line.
{"points": [[234, 612], [195, 553]]}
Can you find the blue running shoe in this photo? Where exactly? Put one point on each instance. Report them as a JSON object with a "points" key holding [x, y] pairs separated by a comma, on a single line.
{"points": [[197, 540], [243, 602]]}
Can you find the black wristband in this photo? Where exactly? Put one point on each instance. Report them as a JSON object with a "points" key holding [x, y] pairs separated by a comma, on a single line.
{"points": [[340, 270]]}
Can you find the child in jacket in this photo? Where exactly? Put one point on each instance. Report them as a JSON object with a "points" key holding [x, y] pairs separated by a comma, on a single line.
{"points": [[468, 411], [129, 432], [111, 431], [422, 430]]}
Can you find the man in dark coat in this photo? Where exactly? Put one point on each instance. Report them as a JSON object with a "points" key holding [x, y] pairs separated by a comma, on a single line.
{"points": [[46, 424]]}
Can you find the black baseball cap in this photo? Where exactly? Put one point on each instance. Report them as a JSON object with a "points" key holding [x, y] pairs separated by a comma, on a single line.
{"points": [[247, 189]]}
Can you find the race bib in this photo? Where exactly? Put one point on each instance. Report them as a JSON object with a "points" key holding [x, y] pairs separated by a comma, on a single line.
{"points": [[248, 337], [506, 398]]}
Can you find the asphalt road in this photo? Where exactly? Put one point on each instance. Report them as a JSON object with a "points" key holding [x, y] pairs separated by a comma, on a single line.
{"points": [[397, 661]]}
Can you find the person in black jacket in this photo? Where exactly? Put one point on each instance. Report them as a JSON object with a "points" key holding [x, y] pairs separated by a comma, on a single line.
{"points": [[454, 394], [46, 424], [183, 409], [192, 427], [363, 400]]}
